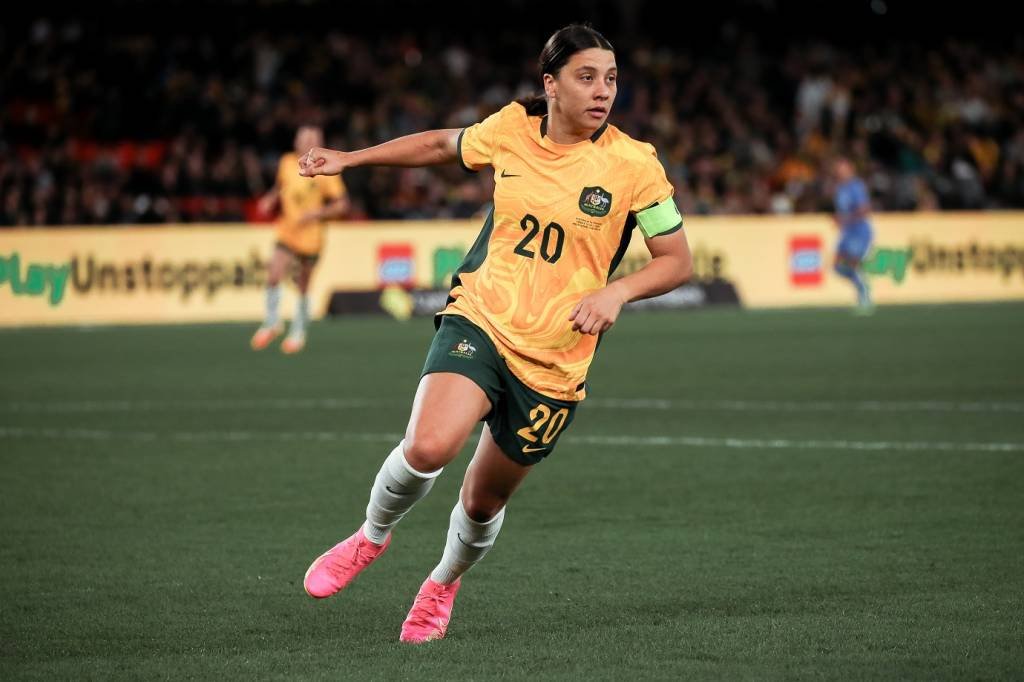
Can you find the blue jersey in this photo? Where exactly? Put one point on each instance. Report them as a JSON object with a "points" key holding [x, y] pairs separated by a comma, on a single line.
{"points": [[851, 196]]}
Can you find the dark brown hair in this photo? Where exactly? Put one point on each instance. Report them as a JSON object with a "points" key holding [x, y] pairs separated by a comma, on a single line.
{"points": [[561, 46]]}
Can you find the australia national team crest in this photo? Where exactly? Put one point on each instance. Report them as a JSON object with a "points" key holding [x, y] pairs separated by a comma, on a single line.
{"points": [[595, 201], [463, 349]]}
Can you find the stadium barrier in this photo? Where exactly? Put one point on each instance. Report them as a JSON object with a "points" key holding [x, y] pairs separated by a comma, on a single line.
{"points": [[215, 272]]}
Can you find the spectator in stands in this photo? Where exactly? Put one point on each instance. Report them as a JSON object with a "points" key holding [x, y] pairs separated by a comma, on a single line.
{"points": [[98, 130]]}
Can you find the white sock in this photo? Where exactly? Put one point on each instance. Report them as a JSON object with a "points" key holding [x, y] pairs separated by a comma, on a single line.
{"points": [[270, 316], [468, 542], [395, 490], [301, 316]]}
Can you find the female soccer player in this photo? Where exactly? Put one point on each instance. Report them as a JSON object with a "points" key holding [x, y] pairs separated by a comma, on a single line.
{"points": [[853, 218], [525, 310], [305, 204]]}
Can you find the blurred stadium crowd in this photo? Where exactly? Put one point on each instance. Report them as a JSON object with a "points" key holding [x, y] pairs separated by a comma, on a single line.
{"points": [[121, 127]]}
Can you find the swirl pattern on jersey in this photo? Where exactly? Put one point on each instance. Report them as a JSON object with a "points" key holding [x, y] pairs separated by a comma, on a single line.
{"points": [[560, 212]]}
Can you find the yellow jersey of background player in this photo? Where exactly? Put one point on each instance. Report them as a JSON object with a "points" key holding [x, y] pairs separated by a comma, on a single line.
{"points": [[301, 226], [305, 205]]}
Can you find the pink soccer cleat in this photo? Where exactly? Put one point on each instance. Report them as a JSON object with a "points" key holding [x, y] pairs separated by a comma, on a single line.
{"points": [[293, 343], [337, 567], [265, 335], [428, 618]]}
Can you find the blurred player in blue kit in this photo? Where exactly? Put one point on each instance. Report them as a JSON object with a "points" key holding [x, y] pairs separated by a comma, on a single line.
{"points": [[852, 216]]}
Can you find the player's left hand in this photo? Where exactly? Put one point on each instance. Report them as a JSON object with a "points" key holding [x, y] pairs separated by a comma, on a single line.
{"points": [[597, 312]]}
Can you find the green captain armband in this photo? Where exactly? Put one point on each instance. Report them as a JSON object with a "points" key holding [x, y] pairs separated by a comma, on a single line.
{"points": [[663, 218]]}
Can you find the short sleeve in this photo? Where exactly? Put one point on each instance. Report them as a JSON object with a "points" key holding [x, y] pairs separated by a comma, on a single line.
{"points": [[655, 209], [478, 142]]}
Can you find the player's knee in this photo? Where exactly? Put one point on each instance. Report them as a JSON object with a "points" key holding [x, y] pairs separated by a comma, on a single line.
{"points": [[482, 502], [483, 508], [429, 452]]}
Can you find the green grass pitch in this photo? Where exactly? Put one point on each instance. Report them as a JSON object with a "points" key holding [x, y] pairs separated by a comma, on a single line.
{"points": [[746, 495]]}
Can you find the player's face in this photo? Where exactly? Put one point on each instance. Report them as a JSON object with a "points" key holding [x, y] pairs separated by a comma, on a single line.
{"points": [[585, 87], [307, 138], [842, 170]]}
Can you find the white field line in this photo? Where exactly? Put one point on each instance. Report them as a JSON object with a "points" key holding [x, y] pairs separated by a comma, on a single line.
{"points": [[694, 405], [230, 436], [793, 444], [807, 406], [597, 440], [199, 405]]}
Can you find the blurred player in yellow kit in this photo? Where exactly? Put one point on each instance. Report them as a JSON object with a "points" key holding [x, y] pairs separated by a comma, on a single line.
{"points": [[305, 203]]}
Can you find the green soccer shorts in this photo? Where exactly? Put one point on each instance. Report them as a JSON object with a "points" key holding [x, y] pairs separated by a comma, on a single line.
{"points": [[525, 424]]}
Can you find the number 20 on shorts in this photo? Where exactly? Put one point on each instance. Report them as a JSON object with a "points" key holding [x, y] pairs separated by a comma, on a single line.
{"points": [[541, 416]]}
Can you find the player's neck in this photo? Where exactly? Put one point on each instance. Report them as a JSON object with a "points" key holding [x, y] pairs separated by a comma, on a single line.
{"points": [[560, 131]]}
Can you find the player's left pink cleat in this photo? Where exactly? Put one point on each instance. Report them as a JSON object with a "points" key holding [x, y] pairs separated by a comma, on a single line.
{"points": [[428, 618], [265, 335], [293, 343], [337, 567]]}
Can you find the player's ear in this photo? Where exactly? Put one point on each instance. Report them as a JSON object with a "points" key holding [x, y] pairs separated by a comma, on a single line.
{"points": [[550, 86]]}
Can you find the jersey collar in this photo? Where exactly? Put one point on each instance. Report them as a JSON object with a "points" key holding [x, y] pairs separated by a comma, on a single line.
{"points": [[593, 138]]}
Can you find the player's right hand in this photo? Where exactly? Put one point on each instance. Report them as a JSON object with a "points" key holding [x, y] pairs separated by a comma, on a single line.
{"points": [[266, 204], [597, 312], [320, 161]]}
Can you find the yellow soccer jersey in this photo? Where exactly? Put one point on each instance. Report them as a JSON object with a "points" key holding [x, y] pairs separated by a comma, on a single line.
{"points": [[299, 195], [562, 218]]}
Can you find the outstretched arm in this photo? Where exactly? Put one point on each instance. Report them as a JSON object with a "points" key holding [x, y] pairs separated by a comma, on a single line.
{"points": [[431, 148]]}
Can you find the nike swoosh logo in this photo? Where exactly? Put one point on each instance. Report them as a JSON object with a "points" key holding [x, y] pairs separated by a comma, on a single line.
{"points": [[459, 536], [395, 492], [527, 449], [506, 174]]}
